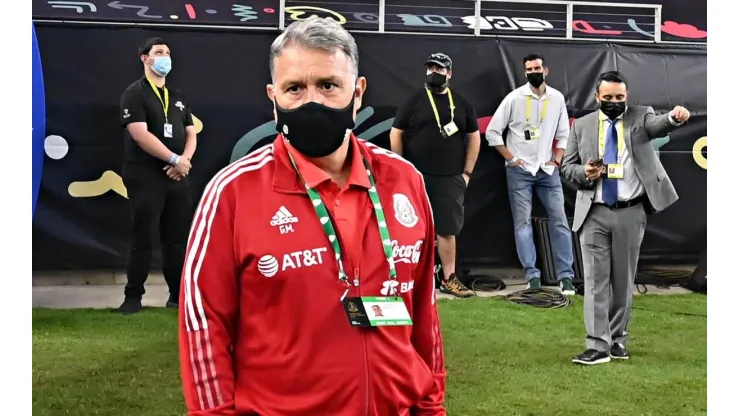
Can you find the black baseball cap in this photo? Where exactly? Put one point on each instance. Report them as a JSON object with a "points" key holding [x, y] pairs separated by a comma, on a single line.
{"points": [[439, 59]]}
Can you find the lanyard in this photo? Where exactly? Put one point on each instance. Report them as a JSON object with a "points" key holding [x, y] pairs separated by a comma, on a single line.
{"points": [[323, 215], [434, 107], [165, 102], [528, 111], [602, 140]]}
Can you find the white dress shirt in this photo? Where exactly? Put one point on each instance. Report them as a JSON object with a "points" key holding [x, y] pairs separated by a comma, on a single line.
{"points": [[630, 186], [511, 113]]}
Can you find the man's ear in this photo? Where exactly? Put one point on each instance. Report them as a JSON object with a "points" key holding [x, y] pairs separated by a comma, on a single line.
{"points": [[270, 89], [360, 87], [546, 71]]}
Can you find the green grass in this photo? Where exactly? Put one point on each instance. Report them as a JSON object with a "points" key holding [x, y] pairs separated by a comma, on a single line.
{"points": [[502, 359]]}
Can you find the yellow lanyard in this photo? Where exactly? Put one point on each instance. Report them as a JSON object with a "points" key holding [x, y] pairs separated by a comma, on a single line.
{"points": [[528, 111], [165, 102], [602, 140], [434, 107]]}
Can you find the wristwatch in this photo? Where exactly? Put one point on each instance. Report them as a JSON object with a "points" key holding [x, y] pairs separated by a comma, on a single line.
{"points": [[468, 173]]}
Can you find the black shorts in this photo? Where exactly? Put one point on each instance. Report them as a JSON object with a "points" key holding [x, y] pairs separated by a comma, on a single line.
{"points": [[447, 196]]}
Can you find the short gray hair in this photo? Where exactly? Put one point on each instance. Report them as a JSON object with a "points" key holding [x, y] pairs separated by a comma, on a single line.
{"points": [[316, 33]]}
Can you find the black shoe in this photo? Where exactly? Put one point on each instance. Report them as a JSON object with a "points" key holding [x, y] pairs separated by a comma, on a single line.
{"points": [[172, 302], [130, 305], [619, 352], [592, 357]]}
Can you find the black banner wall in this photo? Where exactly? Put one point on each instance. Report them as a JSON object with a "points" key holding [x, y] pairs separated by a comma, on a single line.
{"points": [[81, 219]]}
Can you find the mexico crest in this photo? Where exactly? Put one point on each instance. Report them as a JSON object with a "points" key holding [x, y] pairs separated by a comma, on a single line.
{"points": [[404, 211]]}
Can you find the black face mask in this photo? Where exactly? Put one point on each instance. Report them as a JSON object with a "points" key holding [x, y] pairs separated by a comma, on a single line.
{"points": [[536, 79], [314, 129], [612, 109], [436, 82]]}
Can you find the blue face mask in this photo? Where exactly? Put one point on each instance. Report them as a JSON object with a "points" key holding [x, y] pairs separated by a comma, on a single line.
{"points": [[162, 65]]}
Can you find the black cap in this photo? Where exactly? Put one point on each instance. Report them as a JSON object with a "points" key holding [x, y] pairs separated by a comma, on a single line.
{"points": [[440, 59]]}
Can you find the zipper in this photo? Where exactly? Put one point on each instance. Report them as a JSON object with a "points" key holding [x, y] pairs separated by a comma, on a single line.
{"points": [[364, 350]]}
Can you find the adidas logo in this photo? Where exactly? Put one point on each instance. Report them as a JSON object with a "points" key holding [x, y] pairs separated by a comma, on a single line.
{"points": [[282, 217]]}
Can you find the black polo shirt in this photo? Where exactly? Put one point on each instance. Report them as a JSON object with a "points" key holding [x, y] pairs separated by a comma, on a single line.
{"points": [[423, 145], [139, 103]]}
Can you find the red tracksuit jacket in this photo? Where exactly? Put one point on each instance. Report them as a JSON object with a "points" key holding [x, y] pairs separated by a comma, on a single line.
{"points": [[262, 329]]}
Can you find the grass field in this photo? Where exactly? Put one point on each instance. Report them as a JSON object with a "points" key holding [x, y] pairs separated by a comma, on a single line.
{"points": [[502, 359]]}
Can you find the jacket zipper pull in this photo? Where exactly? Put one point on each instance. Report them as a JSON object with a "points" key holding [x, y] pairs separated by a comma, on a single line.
{"points": [[356, 282]]}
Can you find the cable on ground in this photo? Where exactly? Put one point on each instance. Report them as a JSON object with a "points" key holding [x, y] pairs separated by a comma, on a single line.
{"points": [[663, 278], [540, 298], [481, 283]]}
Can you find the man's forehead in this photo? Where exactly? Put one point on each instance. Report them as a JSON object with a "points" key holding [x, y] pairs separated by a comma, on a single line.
{"points": [[533, 64], [436, 67], [612, 88], [302, 62], [157, 48]]}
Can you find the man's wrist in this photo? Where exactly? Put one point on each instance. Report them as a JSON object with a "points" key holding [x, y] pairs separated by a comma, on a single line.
{"points": [[467, 173], [174, 159]]}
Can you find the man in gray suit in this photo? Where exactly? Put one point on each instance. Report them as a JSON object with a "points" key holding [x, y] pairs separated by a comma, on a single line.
{"points": [[620, 178]]}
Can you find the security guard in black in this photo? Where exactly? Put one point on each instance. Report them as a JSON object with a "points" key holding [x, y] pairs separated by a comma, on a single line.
{"points": [[155, 173]]}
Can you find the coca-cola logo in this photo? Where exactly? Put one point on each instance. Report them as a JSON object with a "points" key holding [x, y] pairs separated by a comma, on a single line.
{"points": [[407, 253]]}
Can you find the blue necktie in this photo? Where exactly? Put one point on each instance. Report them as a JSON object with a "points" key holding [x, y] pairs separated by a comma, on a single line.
{"points": [[609, 190]]}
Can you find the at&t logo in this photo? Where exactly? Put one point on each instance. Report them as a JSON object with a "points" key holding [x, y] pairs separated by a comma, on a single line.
{"points": [[268, 265]]}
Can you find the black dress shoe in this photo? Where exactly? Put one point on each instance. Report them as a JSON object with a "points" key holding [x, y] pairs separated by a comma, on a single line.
{"points": [[619, 352], [592, 357], [130, 305]]}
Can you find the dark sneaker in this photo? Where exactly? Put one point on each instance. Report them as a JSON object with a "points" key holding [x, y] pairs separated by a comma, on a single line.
{"points": [[534, 283], [453, 286], [130, 305], [619, 352], [592, 357], [172, 302], [566, 286]]}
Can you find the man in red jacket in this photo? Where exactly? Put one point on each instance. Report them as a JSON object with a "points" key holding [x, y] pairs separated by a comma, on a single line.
{"points": [[292, 247]]}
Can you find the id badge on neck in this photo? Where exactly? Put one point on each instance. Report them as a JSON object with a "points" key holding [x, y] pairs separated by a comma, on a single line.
{"points": [[168, 130], [615, 171], [371, 311], [531, 133], [450, 128]]}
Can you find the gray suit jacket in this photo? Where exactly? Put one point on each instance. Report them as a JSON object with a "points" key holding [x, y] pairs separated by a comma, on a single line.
{"points": [[641, 126]]}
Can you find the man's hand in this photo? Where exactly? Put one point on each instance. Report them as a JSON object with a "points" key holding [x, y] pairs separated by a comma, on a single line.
{"points": [[551, 163], [183, 166], [466, 178], [680, 114], [593, 171], [518, 162], [172, 173]]}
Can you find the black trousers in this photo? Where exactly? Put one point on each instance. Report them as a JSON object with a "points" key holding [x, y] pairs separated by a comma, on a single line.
{"points": [[159, 206]]}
